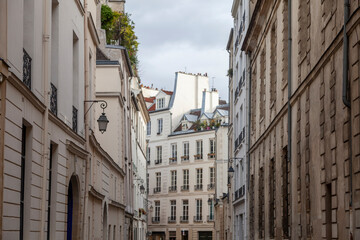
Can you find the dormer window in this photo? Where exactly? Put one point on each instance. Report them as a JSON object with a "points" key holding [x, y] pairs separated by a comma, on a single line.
{"points": [[160, 103], [184, 126]]}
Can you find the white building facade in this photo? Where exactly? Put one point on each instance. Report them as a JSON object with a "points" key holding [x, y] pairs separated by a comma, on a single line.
{"points": [[239, 127], [182, 153]]}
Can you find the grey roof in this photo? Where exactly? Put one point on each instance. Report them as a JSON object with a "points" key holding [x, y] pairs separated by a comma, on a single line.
{"points": [[191, 118], [223, 112], [208, 115]]}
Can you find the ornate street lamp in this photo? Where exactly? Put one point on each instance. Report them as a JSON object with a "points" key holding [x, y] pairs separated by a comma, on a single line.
{"points": [[142, 189], [231, 171], [102, 121]]}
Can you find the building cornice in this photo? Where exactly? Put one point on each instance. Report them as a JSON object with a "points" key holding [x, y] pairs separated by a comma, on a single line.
{"points": [[93, 31], [53, 118], [96, 193], [76, 150], [117, 204], [104, 154]]}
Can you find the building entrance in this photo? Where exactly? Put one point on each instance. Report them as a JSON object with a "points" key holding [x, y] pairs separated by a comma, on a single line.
{"points": [[205, 235]]}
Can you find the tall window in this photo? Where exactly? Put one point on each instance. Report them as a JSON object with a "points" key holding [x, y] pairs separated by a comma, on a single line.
{"points": [[211, 210], [273, 62], [261, 208], [157, 211], [272, 198], [160, 103], [173, 210], [199, 179], [173, 152], [186, 179], [186, 151], [148, 128], [286, 194], [212, 149], [24, 150], [199, 149], [185, 213], [198, 209], [158, 181], [158, 155], [148, 154], [51, 193], [212, 176], [160, 126], [262, 83], [173, 178]]}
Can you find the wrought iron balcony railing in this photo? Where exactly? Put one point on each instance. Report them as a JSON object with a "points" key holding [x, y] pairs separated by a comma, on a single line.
{"points": [[157, 189], [155, 219], [173, 189], [172, 219], [26, 69], [75, 119], [185, 158], [184, 219], [211, 186], [198, 218], [53, 99], [211, 155], [198, 156], [198, 187], [185, 188]]}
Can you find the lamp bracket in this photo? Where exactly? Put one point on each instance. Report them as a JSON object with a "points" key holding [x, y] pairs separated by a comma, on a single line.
{"points": [[103, 104]]}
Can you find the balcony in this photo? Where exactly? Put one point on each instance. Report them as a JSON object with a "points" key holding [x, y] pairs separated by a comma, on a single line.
{"points": [[198, 156], [157, 189], [26, 69], [184, 219], [240, 138], [211, 155], [184, 158], [239, 193], [173, 189], [198, 187], [210, 218], [185, 188], [53, 99], [172, 219], [155, 219], [74, 119], [211, 186], [158, 161], [173, 160], [197, 218]]}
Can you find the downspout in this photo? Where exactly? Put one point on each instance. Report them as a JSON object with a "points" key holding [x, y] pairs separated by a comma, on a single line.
{"points": [[248, 144], [347, 103], [86, 123], [46, 80], [289, 149]]}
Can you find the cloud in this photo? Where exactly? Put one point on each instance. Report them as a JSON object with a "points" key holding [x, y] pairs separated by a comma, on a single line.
{"points": [[175, 35]]}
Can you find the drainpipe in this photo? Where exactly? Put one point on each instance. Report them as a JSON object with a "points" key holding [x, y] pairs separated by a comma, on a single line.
{"points": [[87, 125], [46, 81], [347, 103], [249, 122]]}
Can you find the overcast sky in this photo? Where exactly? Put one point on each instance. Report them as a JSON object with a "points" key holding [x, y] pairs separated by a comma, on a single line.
{"points": [[182, 35]]}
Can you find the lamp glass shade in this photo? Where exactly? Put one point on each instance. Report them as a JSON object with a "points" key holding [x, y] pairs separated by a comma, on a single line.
{"points": [[142, 189], [209, 201], [103, 122], [231, 171]]}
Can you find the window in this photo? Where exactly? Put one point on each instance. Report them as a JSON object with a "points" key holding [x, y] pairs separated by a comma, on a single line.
{"points": [[157, 211], [173, 153], [199, 149], [286, 194], [211, 210], [160, 103], [198, 216], [273, 66], [184, 126], [272, 198], [158, 182], [158, 155], [262, 83], [147, 183], [185, 179], [160, 126], [261, 212], [199, 178], [212, 149], [24, 172], [186, 151], [51, 193], [148, 128], [148, 155], [185, 216], [212, 176], [173, 179], [173, 210]]}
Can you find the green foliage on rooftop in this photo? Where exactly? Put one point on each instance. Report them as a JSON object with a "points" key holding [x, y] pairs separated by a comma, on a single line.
{"points": [[120, 31]]}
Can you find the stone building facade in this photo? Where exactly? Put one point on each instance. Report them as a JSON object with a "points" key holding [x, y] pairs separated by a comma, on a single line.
{"points": [[305, 120], [185, 158], [62, 178]]}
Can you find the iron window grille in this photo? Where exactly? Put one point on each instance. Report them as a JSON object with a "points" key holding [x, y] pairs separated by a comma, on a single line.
{"points": [[75, 119], [53, 99], [26, 69]]}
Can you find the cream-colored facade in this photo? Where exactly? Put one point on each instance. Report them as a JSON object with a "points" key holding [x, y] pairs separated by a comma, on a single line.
{"points": [[305, 134], [183, 158], [62, 178], [139, 119]]}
